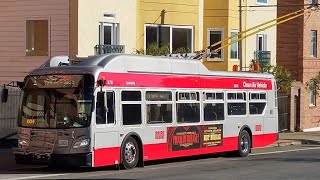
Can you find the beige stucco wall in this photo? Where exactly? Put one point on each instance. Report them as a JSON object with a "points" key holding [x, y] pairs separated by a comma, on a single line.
{"points": [[90, 13], [255, 16]]}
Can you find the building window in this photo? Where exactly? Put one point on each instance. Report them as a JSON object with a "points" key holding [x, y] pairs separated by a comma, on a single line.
{"points": [[313, 44], [262, 1], [37, 37], [261, 42], [312, 95], [314, 2], [108, 34], [178, 38], [234, 53], [214, 36]]}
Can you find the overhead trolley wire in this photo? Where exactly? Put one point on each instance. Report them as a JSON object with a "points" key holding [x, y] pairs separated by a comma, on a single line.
{"points": [[279, 20]]}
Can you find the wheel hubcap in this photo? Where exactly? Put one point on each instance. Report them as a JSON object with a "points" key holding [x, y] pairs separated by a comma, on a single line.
{"points": [[130, 152], [244, 144]]}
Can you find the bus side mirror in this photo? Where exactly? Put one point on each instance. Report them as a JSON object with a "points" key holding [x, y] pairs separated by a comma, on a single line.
{"points": [[4, 94]]}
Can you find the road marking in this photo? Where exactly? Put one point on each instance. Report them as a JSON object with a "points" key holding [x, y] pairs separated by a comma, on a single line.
{"points": [[158, 166], [199, 163], [292, 150], [38, 176], [147, 168]]}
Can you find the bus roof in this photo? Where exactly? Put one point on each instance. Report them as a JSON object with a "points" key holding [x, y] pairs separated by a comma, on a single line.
{"points": [[125, 63]]}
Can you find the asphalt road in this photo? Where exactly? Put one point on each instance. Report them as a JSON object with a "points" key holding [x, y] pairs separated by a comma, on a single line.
{"points": [[291, 162]]}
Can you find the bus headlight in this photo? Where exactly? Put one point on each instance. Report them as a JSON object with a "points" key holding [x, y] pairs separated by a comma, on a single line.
{"points": [[22, 143], [82, 144]]}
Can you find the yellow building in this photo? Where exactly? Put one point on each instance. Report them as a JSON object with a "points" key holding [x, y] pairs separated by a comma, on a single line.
{"points": [[221, 20], [176, 23]]}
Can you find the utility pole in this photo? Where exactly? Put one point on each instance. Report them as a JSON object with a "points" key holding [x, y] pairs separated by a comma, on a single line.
{"points": [[240, 30]]}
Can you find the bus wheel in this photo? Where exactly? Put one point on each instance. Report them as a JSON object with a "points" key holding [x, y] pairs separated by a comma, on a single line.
{"points": [[130, 153], [244, 144]]}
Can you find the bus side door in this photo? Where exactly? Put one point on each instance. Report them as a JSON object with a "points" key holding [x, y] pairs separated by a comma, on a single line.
{"points": [[106, 136]]}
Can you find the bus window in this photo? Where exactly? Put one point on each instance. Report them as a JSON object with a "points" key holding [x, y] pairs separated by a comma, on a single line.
{"points": [[257, 103], [110, 108], [237, 104], [159, 107], [100, 109], [188, 108], [213, 106], [131, 107], [131, 96]]}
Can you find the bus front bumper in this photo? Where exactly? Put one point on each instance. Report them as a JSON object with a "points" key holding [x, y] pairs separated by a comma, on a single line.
{"points": [[83, 159], [79, 159]]}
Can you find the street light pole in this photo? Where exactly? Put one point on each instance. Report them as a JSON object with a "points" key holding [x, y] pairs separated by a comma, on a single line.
{"points": [[240, 30]]}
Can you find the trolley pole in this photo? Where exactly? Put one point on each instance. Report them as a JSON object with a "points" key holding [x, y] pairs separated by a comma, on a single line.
{"points": [[240, 30]]}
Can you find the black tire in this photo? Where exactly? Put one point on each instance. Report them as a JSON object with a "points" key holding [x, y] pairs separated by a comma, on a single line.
{"points": [[244, 144], [130, 153]]}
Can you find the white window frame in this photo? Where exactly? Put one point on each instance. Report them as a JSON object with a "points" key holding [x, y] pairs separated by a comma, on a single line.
{"points": [[312, 96], [314, 52], [261, 3], [237, 43], [114, 32], [208, 43], [264, 42], [171, 27]]}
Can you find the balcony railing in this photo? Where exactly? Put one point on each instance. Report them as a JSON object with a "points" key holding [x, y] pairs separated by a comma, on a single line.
{"points": [[107, 49], [262, 56]]}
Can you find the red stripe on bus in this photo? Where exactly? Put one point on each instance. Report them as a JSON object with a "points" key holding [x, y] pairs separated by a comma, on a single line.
{"points": [[108, 156], [263, 140], [183, 81], [160, 151]]}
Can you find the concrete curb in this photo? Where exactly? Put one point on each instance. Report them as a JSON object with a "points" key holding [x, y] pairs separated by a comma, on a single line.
{"points": [[287, 143], [294, 142], [313, 142]]}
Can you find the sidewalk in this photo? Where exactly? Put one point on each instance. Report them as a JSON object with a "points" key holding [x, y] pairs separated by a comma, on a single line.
{"points": [[296, 138]]}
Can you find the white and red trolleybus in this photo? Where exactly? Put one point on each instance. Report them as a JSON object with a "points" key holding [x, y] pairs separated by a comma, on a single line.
{"points": [[128, 109]]}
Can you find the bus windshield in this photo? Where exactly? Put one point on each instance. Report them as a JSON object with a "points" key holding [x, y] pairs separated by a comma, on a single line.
{"points": [[57, 101]]}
